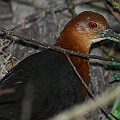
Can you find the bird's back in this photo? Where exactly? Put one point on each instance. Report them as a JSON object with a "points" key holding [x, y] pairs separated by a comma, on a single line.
{"points": [[54, 86]]}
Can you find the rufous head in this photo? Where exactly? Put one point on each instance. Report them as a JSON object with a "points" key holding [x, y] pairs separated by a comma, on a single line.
{"points": [[78, 35], [83, 30]]}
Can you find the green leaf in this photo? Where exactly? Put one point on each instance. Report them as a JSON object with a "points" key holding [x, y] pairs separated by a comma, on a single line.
{"points": [[116, 113], [116, 105], [115, 65], [115, 109], [115, 77]]}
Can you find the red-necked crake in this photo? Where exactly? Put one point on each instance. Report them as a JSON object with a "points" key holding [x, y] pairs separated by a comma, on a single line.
{"points": [[55, 86]]}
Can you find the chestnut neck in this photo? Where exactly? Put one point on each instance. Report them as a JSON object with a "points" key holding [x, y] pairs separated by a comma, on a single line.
{"points": [[78, 35], [81, 64]]}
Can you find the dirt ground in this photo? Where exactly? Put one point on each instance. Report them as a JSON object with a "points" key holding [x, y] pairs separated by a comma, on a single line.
{"points": [[54, 15]]}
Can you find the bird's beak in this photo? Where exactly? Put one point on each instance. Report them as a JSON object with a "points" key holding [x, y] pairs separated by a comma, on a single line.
{"points": [[111, 35]]}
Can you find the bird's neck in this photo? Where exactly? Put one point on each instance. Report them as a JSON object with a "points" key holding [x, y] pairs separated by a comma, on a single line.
{"points": [[81, 64]]}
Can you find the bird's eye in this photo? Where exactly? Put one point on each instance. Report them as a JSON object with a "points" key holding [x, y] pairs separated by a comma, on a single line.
{"points": [[92, 25]]}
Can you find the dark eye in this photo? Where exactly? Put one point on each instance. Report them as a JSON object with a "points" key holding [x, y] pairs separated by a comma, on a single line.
{"points": [[92, 24]]}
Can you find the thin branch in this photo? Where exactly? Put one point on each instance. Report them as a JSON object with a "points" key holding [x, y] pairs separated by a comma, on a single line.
{"points": [[93, 96], [56, 48], [111, 9], [115, 4], [79, 75], [71, 7], [38, 14]]}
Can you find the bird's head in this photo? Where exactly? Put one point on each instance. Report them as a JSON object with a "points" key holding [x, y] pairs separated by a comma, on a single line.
{"points": [[86, 28]]}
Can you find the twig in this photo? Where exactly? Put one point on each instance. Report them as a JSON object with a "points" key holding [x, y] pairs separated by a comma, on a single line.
{"points": [[38, 14], [79, 75], [115, 4], [92, 95], [71, 7], [28, 19], [116, 14], [56, 48]]}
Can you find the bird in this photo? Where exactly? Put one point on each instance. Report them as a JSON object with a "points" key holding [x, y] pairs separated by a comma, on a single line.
{"points": [[51, 82]]}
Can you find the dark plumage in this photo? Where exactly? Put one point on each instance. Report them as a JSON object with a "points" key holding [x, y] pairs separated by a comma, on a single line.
{"points": [[54, 83]]}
